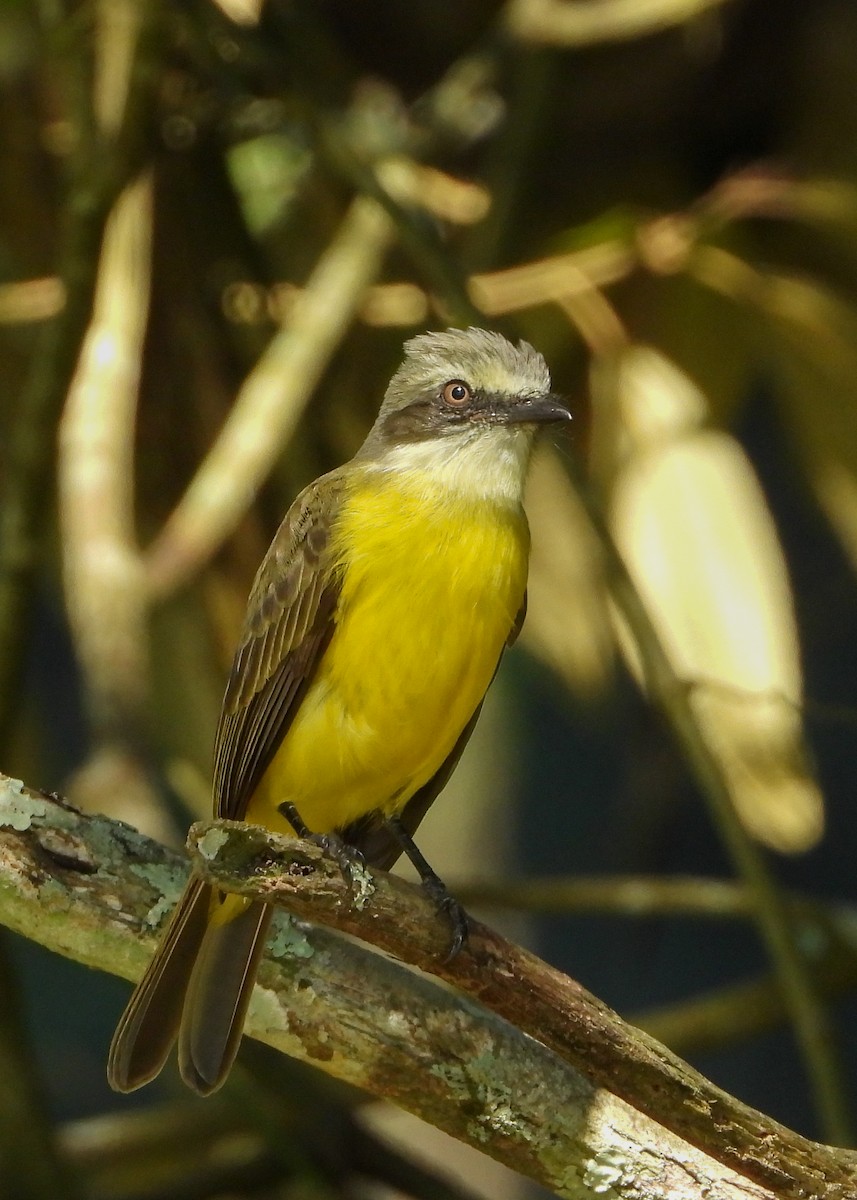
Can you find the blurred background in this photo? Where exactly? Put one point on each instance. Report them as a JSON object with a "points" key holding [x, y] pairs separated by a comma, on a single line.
{"points": [[218, 222]]}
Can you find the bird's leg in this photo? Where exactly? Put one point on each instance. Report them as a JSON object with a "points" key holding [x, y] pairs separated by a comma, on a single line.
{"points": [[348, 858], [294, 818], [434, 886]]}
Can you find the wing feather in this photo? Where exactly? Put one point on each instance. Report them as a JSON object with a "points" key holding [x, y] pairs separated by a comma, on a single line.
{"points": [[289, 621]]}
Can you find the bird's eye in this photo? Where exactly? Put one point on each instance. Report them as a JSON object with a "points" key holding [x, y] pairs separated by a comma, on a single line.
{"points": [[456, 393]]}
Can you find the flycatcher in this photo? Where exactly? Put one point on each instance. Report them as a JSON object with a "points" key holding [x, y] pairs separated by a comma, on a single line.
{"points": [[373, 629]]}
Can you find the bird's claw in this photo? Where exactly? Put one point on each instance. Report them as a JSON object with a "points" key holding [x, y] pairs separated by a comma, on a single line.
{"points": [[347, 857], [447, 904]]}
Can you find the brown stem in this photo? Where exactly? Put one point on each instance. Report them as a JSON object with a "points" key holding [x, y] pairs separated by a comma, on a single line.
{"points": [[534, 997]]}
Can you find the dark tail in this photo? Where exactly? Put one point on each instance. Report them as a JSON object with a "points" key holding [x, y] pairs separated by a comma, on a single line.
{"points": [[197, 987], [218, 995], [150, 1023]]}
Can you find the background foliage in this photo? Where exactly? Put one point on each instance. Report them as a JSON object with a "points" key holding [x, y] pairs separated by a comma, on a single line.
{"points": [[663, 198]]}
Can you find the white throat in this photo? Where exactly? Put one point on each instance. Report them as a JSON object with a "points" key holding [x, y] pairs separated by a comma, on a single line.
{"points": [[479, 464]]}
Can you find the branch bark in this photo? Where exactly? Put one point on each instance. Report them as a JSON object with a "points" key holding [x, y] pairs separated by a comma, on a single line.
{"points": [[589, 1104]]}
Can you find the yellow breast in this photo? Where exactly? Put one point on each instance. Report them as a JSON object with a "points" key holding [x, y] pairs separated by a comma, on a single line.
{"points": [[432, 583]]}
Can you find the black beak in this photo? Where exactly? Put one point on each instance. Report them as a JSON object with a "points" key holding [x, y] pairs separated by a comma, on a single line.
{"points": [[536, 410]]}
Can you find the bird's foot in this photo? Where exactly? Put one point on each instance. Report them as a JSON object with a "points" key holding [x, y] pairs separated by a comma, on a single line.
{"points": [[447, 904], [434, 887], [347, 857]]}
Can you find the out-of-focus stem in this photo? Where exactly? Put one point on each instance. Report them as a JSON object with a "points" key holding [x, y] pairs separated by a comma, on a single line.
{"points": [[731, 1014], [628, 896], [588, 22], [271, 400], [102, 572], [414, 228], [532, 83], [30, 300], [805, 1006], [563, 279], [720, 1017], [101, 565], [594, 318], [97, 171], [29, 451], [552, 279]]}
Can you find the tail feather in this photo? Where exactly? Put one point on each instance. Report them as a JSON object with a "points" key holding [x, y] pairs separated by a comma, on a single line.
{"points": [[218, 995], [149, 1025], [197, 989]]}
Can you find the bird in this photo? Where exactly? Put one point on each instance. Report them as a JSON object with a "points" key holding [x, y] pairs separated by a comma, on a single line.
{"points": [[374, 627]]}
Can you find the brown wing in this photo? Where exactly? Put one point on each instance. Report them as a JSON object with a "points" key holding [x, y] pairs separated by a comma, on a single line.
{"points": [[370, 834], [288, 624]]}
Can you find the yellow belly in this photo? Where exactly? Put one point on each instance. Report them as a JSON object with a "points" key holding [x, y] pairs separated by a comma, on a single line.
{"points": [[431, 587]]}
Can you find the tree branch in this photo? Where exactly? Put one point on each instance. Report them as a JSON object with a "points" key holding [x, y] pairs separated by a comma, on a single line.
{"points": [[518, 987], [634, 1118]]}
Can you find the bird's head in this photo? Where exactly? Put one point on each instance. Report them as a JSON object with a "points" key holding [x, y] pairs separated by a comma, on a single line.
{"points": [[464, 381], [462, 410]]}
